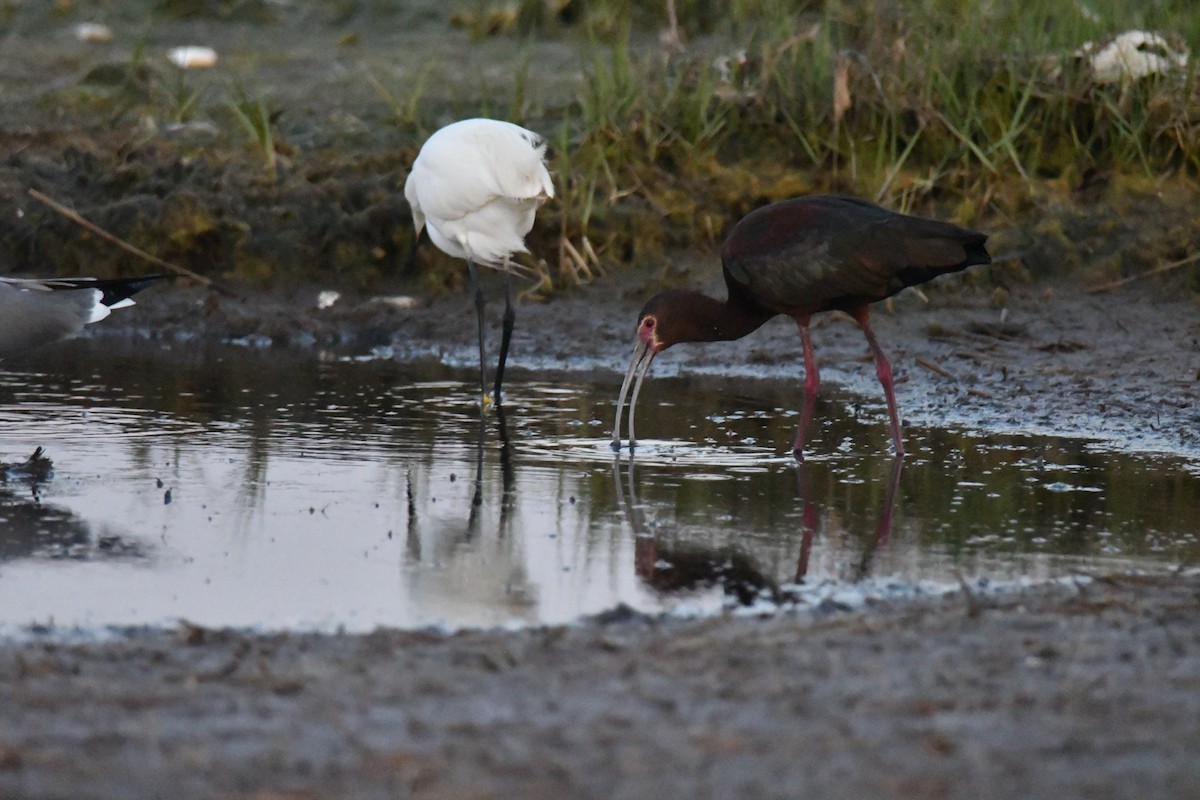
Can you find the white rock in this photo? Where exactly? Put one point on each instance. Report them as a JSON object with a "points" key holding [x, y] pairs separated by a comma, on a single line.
{"points": [[192, 57], [93, 32], [1132, 55]]}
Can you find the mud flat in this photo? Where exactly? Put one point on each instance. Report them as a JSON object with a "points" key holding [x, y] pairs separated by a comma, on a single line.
{"points": [[1077, 689]]}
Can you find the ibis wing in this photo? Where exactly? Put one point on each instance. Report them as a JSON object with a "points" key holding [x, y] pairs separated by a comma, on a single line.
{"points": [[819, 253]]}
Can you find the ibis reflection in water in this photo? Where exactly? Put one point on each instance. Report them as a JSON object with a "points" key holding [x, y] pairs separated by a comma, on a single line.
{"points": [[669, 566]]}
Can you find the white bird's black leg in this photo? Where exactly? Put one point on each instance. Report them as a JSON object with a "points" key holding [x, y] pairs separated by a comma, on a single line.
{"points": [[482, 350], [510, 316]]}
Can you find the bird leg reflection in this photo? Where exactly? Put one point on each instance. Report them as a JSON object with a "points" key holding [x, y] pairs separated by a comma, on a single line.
{"points": [[883, 371], [482, 352], [412, 538], [507, 474], [812, 382], [477, 496], [811, 519], [510, 317], [883, 531]]}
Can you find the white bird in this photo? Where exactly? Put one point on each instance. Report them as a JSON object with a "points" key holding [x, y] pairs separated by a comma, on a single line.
{"points": [[34, 312], [476, 186]]}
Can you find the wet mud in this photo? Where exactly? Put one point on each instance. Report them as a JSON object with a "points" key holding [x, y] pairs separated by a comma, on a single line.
{"points": [[1078, 689]]}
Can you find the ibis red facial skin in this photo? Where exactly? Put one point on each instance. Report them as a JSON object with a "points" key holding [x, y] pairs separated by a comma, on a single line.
{"points": [[801, 257]]}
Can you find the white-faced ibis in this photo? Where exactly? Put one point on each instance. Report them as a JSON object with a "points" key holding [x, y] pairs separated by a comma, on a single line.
{"points": [[34, 312], [801, 257], [476, 186]]}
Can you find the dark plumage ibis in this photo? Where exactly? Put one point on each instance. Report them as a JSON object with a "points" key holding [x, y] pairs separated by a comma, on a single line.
{"points": [[801, 257], [34, 312]]}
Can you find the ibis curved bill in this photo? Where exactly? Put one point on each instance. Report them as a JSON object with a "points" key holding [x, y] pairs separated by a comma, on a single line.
{"points": [[639, 366], [798, 258]]}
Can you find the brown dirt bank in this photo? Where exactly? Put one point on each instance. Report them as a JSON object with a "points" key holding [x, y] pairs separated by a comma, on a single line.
{"points": [[1071, 691]]}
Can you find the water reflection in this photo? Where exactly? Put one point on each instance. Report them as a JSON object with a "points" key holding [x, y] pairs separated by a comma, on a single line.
{"points": [[812, 515], [672, 566], [34, 529], [326, 492]]}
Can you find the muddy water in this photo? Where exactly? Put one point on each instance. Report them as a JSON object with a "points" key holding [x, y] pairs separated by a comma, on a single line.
{"points": [[232, 486]]}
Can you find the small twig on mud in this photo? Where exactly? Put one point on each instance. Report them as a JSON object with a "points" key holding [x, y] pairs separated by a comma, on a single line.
{"points": [[936, 368], [1107, 287], [972, 603], [124, 245]]}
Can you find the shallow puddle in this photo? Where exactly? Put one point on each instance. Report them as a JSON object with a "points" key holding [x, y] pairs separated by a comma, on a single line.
{"points": [[227, 486]]}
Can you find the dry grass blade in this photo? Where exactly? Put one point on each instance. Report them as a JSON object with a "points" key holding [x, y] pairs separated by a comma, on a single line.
{"points": [[935, 368], [1108, 287], [842, 99], [575, 263]]}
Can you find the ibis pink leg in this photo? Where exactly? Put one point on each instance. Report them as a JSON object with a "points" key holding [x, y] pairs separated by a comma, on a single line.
{"points": [[479, 315], [883, 370], [812, 382], [510, 317]]}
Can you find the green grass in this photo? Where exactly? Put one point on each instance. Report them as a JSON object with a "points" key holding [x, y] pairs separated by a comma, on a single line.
{"points": [[973, 110], [959, 104], [256, 122]]}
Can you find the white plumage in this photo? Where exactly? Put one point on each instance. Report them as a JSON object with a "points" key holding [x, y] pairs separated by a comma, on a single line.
{"points": [[476, 186]]}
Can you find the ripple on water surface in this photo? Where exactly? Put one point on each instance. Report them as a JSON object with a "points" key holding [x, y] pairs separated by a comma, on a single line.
{"points": [[277, 490]]}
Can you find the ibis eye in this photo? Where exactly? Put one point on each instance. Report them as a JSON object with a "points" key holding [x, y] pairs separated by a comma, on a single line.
{"points": [[648, 323]]}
